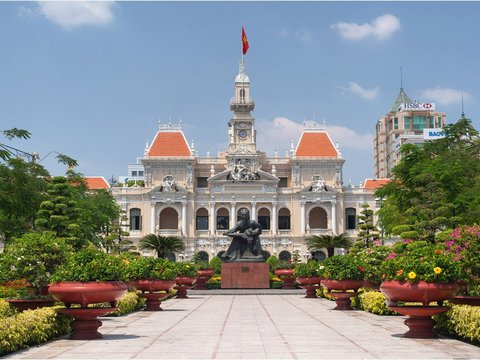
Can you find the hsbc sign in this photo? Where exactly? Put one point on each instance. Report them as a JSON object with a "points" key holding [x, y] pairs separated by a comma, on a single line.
{"points": [[417, 106]]}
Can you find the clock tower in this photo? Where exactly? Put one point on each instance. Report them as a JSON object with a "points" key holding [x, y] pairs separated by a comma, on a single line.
{"points": [[242, 134]]}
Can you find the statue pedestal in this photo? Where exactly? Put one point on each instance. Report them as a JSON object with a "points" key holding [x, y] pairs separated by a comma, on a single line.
{"points": [[245, 275]]}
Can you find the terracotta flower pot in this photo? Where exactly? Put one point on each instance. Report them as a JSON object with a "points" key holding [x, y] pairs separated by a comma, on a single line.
{"points": [[202, 278], [183, 284], [154, 291], [287, 276], [420, 322], [30, 304], [85, 293], [338, 290], [310, 284], [420, 291]]}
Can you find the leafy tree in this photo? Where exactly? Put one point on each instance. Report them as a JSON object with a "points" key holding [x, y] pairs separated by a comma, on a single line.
{"points": [[163, 245], [368, 231], [435, 185], [318, 242]]}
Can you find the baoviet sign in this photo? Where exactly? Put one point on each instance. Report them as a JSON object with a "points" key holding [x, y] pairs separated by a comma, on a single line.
{"points": [[433, 134]]}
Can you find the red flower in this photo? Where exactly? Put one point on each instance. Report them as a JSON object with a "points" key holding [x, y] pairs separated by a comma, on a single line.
{"points": [[362, 268]]}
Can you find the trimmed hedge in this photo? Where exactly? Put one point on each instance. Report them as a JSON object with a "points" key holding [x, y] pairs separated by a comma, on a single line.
{"points": [[373, 302], [31, 327], [128, 303], [462, 321], [6, 309]]}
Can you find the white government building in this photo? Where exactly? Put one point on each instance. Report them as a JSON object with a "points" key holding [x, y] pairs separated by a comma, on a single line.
{"points": [[198, 198]]}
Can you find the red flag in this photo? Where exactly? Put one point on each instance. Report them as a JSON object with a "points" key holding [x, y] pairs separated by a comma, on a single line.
{"points": [[244, 41]]}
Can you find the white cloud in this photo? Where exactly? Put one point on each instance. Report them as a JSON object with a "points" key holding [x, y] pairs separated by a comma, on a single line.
{"points": [[445, 96], [70, 14], [380, 28], [355, 88], [304, 35], [278, 133]]}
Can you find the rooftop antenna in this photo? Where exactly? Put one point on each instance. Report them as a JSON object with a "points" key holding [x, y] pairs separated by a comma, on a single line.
{"points": [[463, 112], [401, 77]]}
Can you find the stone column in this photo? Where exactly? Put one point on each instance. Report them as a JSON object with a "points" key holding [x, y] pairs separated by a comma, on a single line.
{"points": [[184, 217], [274, 218], [152, 218], [233, 213], [254, 209], [211, 219], [302, 216], [334, 217]]}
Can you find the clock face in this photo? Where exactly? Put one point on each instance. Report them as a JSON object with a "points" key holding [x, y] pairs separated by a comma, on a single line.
{"points": [[242, 134]]}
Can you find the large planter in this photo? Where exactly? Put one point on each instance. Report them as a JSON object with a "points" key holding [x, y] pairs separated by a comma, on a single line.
{"points": [[466, 300], [202, 278], [310, 284], [420, 322], [85, 293], [85, 326], [338, 290], [154, 291], [183, 284], [30, 304], [421, 291], [287, 276]]}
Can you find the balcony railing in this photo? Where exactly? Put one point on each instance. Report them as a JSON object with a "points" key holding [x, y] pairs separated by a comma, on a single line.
{"points": [[169, 232], [319, 232]]}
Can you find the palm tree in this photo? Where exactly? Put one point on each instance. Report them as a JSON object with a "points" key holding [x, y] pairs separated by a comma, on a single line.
{"points": [[315, 243], [163, 245]]}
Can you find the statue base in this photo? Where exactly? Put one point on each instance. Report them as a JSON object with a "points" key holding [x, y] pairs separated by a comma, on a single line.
{"points": [[245, 275]]}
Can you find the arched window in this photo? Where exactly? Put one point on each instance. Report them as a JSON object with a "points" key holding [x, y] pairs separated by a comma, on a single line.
{"points": [[202, 256], [171, 257], [222, 219], [242, 95], [168, 219], [350, 218], [318, 218], [238, 213], [220, 253], [135, 219], [319, 255], [285, 255], [284, 219], [266, 254], [202, 219], [264, 218]]}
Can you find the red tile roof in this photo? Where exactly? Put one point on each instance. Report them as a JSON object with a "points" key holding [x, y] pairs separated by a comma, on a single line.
{"points": [[169, 143], [372, 184], [96, 183], [316, 144]]}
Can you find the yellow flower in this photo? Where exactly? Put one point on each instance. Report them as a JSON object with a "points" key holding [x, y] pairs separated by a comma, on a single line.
{"points": [[412, 275], [437, 270]]}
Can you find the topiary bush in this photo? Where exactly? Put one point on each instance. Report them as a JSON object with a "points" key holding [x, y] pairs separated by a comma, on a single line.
{"points": [[216, 265], [128, 303], [31, 327]]}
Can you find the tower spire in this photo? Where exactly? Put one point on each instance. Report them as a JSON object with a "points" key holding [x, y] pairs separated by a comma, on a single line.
{"points": [[463, 111], [401, 77]]}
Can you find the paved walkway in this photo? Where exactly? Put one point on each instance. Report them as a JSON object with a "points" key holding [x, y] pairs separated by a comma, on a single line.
{"points": [[255, 326]]}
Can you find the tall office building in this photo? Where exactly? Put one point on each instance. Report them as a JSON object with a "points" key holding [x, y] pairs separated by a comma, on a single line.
{"points": [[405, 122]]}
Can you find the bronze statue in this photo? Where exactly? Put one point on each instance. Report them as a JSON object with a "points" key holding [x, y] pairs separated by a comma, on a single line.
{"points": [[245, 245]]}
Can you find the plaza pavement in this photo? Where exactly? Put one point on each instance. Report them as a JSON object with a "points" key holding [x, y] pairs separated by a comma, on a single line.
{"points": [[256, 325]]}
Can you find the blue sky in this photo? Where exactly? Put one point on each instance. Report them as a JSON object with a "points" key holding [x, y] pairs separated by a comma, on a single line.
{"points": [[92, 80]]}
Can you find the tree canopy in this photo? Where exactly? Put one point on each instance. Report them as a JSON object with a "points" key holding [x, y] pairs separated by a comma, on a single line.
{"points": [[435, 186]]}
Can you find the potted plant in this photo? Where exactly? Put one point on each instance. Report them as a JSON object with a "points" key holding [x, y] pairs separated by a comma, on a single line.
{"points": [[308, 275], [343, 275], [285, 271], [154, 277], [276, 282], [417, 271], [204, 272], [215, 282], [31, 260], [372, 259], [186, 278], [88, 276]]}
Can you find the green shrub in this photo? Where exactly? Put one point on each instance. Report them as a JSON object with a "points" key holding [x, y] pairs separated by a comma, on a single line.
{"points": [[216, 265], [6, 309], [31, 327], [128, 303], [374, 302], [272, 263], [461, 321]]}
